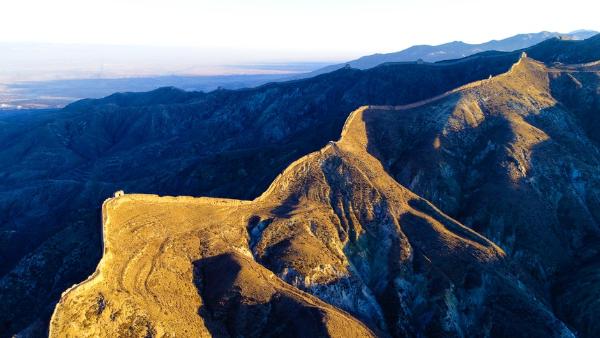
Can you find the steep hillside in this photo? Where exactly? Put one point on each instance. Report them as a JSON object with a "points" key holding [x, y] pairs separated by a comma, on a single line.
{"points": [[57, 167], [341, 224], [516, 159], [334, 224]]}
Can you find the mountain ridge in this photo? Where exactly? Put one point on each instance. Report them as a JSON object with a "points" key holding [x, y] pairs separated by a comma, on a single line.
{"points": [[223, 143], [334, 222], [455, 50]]}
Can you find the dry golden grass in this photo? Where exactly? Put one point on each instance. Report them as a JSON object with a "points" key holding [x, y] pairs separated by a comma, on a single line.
{"points": [[322, 207]]}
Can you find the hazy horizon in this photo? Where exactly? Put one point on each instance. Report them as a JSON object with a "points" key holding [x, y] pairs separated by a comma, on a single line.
{"points": [[51, 75], [273, 56], [42, 41], [47, 61], [326, 30]]}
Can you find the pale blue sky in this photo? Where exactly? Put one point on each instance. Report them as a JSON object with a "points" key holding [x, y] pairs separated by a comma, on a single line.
{"points": [[288, 30]]}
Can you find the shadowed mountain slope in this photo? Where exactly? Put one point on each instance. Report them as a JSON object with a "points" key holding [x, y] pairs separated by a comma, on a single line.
{"points": [[514, 158], [59, 166], [342, 225], [333, 224]]}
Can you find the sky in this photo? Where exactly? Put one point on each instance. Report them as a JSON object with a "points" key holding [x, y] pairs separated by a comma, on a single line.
{"points": [[296, 30]]}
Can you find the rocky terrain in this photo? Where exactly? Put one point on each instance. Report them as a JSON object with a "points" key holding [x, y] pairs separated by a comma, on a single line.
{"points": [[515, 160], [59, 166], [472, 213]]}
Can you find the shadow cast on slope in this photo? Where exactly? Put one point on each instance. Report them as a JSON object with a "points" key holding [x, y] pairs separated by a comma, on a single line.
{"points": [[238, 300], [541, 208], [167, 142]]}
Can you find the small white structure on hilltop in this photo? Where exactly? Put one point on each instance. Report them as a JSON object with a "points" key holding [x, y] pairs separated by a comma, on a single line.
{"points": [[119, 193], [523, 55]]}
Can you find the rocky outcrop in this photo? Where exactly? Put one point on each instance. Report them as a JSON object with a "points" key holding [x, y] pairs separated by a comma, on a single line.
{"points": [[513, 158]]}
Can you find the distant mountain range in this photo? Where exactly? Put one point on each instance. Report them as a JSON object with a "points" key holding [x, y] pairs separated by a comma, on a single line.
{"points": [[454, 50], [47, 80]]}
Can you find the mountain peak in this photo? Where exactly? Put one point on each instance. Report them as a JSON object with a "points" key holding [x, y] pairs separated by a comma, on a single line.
{"points": [[526, 75]]}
